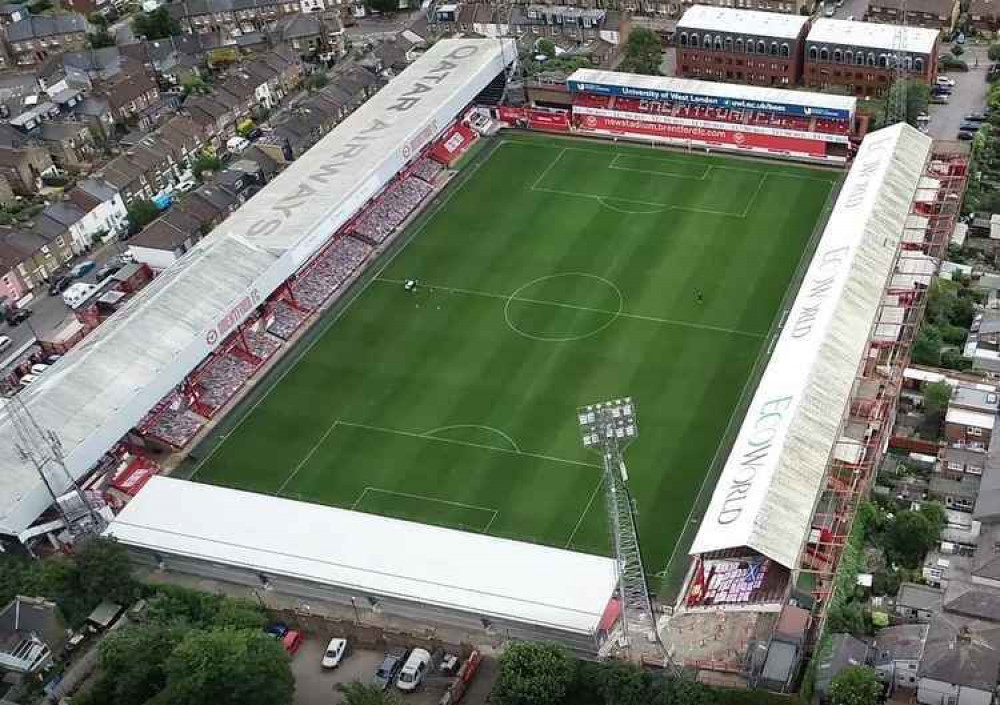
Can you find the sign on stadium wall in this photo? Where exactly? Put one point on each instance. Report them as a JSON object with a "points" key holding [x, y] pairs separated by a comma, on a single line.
{"points": [[536, 119], [815, 148], [708, 124], [709, 100]]}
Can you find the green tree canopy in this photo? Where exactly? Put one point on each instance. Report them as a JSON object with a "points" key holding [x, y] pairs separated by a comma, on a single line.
{"points": [[533, 674], [140, 214], [547, 47], [157, 24], [857, 685], [936, 398], [100, 39], [994, 51], [383, 6], [909, 536], [355, 693], [229, 667], [642, 52]]}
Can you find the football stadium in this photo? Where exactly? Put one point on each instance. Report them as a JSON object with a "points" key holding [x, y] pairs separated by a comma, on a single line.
{"points": [[364, 384]]}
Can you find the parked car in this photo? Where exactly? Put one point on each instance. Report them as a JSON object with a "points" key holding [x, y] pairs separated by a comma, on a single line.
{"points": [[82, 269], [829, 10], [945, 81], [386, 673], [28, 379], [940, 98], [277, 629], [966, 136], [38, 368], [970, 126], [254, 134], [107, 270], [335, 652], [414, 670], [60, 284], [292, 641], [5, 342], [977, 117], [16, 316]]}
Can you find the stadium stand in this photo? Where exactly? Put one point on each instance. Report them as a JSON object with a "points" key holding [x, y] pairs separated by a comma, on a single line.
{"points": [[328, 271], [284, 319], [389, 211], [428, 170]]}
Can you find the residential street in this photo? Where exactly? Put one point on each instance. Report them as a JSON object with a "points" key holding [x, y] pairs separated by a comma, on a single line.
{"points": [[969, 95]]}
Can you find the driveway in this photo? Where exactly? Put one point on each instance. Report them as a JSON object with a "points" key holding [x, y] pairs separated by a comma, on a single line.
{"points": [[969, 95], [316, 686]]}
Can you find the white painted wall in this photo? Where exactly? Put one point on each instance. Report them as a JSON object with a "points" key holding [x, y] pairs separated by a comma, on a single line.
{"points": [[934, 692]]}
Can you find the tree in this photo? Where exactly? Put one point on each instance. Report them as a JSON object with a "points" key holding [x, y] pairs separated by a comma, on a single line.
{"points": [[918, 97], [533, 674], [909, 536], [383, 6], [957, 49], [316, 80], [642, 52], [857, 685], [927, 347], [936, 398], [157, 24], [621, 682], [355, 693], [994, 52], [205, 162], [141, 214], [547, 47], [125, 679], [228, 667], [194, 84], [101, 38]]}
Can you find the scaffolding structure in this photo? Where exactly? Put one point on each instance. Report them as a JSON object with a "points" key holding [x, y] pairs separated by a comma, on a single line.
{"points": [[866, 426]]}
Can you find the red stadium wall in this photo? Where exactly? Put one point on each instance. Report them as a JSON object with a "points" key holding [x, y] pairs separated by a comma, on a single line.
{"points": [[734, 138]]}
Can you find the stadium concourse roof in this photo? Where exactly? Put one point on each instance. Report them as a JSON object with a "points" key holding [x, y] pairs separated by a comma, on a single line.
{"points": [[105, 385], [872, 35], [660, 85], [755, 22], [769, 484], [484, 575]]}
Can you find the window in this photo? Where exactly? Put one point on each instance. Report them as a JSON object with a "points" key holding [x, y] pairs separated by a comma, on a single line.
{"points": [[918, 64], [955, 467], [812, 53], [774, 49], [739, 44], [708, 41], [974, 431], [871, 59], [838, 56], [761, 47], [718, 43], [824, 54], [684, 39], [729, 44], [784, 50], [694, 40]]}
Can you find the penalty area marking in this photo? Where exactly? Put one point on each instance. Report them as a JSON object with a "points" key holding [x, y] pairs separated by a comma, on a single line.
{"points": [[308, 456], [579, 522], [492, 429], [653, 172], [424, 498], [661, 206]]}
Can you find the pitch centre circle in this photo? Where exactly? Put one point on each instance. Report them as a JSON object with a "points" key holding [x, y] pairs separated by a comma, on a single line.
{"points": [[561, 308]]}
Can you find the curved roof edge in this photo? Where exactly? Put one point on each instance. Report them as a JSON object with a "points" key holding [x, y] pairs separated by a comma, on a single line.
{"points": [[768, 487]]}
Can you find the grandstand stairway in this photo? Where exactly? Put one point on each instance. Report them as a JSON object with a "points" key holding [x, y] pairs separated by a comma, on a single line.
{"points": [[493, 93]]}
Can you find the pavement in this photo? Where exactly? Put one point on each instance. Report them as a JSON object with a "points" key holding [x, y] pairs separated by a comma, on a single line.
{"points": [[850, 8], [49, 313], [381, 26], [968, 95], [315, 685]]}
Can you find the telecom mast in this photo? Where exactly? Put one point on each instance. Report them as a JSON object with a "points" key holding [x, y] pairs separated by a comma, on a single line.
{"points": [[896, 101]]}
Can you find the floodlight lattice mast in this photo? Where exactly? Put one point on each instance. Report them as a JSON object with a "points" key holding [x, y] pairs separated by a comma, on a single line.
{"points": [[608, 427], [43, 450]]}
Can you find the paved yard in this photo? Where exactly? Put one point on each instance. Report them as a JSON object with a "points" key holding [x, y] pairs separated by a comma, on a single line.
{"points": [[969, 95], [315, 685]]}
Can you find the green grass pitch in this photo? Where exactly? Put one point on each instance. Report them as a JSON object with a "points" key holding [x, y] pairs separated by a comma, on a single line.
{"points": [[552, 273]]}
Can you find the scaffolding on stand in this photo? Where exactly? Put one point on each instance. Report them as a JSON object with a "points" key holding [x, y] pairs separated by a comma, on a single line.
{"points": [[868, 420]]}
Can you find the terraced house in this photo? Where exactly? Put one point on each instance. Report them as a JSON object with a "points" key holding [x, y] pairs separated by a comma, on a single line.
{"points": [[34, 39]]}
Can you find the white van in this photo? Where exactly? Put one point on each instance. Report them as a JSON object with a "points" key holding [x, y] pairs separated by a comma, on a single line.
{"points": [[77, 294], [38, 368], [237, 144], [28, 379], [414, 670]]}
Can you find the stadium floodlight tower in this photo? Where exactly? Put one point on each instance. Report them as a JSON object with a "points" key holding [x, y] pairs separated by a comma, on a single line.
{"points": [[608, 427]]}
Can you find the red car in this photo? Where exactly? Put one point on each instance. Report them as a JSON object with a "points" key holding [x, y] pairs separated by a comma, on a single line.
{"points": [[292, 641]]}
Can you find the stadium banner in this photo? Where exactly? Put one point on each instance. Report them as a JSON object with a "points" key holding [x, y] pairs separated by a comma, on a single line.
{"points": [[709, 100], [745, 140], [710, 125], [510, 115], [543, 120]]}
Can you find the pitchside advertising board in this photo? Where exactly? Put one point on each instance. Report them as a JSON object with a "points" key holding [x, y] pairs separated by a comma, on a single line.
{"points": [[709, 100], [690, 133]]}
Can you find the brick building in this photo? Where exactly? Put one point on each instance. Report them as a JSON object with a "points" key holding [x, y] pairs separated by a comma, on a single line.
{"points": [[932, 14], [861, 56], [742, 46], [984, 15], [787, 7], [34, 39]]}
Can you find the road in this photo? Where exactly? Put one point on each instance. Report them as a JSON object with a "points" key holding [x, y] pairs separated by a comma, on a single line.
{"points": [[850, 8], [969, 95], [380, 27], [49, 313]]}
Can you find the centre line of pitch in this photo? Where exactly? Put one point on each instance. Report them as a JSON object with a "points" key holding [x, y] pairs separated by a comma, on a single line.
{"points": [[559, 304]]}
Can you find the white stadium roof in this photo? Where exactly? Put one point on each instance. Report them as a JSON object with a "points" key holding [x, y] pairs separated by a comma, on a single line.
{"points": [[483, 575], [872, 35], [761, 94], [769, 484], [106, 384], [755, 22]]}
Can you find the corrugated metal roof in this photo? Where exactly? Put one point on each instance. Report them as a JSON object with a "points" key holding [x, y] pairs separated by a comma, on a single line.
{"points": [[105, 385], [872, 35], [483, 575], [755, 22], [767, 489]]}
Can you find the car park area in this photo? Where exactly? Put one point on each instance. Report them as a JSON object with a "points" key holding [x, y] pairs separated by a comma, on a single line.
{"points": [[316, 685]]}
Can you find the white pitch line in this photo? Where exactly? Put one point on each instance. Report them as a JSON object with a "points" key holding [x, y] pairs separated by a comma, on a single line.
{"points": [[425, 498], [308, 456], [495, 430], [653, 172], [326, 323], [661, 206], [360, 498], [558, 304], [469, 444], [548, 169], [753, 198], [579, 522]]}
